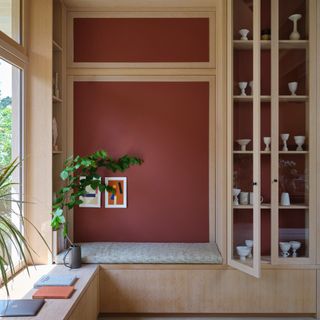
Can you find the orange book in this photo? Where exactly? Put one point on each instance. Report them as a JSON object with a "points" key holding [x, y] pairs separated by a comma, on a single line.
{"points": [[54, 292]]}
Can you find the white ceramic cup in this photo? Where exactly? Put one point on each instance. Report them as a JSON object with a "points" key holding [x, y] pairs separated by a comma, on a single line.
{"points": [[285, 199], [251, 198], [244, 198]]}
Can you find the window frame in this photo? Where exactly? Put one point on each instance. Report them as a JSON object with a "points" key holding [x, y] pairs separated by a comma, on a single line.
{"points": [[8, 43], [16, 55]]}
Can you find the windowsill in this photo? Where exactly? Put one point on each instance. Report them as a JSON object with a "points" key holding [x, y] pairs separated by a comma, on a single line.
{"points": [[22, 287]]}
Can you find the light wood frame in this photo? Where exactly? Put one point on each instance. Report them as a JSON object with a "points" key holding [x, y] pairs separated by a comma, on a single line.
{"points": [[212, 125], [275, 98], [255, 269], [212, 41], [8, 43], [171, 7], [311, 213]]}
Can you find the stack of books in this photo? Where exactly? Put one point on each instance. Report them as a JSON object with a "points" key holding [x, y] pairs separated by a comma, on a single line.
{"points": [[54, 287]]}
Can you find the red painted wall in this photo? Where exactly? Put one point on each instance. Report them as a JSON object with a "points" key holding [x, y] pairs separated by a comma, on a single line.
{"points": [[167, 124], [141, 40]]}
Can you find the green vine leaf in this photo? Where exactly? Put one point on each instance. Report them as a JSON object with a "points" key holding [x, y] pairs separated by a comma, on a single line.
{"points": [[70, 194]]}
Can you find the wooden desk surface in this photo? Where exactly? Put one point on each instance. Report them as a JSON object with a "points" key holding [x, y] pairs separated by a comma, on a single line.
{"points": [[53, 309]]}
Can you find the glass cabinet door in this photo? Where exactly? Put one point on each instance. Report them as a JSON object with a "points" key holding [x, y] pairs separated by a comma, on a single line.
{"points": [[294, 145], [244, 139]]}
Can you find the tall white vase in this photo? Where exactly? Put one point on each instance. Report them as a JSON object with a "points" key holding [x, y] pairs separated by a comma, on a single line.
{"points": [[295, 35]]}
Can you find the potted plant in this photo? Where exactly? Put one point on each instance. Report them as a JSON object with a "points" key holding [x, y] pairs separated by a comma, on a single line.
{"points": [[12, 240], [75, 168]]}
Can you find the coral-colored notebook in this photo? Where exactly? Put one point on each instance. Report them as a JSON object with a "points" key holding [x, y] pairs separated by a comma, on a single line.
{"points": [[58, 292]]}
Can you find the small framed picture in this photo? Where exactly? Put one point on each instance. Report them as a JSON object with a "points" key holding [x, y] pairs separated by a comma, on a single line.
{"points": [[118, 199], [92, 198]]}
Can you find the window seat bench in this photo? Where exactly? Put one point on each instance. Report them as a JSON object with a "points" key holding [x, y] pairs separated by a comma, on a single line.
{"points": [[162, 253]]}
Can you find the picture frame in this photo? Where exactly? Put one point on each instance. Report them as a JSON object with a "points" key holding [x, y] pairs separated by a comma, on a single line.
{"points": [[92, 199], [119, 199]]}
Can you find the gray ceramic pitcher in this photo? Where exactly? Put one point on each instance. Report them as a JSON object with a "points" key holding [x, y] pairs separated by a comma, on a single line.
{"points": [[75, 257]]}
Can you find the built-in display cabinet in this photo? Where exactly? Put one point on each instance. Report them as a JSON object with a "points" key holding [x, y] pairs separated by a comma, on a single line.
{"points": [[272, 168]]}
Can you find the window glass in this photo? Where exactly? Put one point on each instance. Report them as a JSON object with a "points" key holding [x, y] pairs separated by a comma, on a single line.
{"points": [[11, 138], [10, 18]]}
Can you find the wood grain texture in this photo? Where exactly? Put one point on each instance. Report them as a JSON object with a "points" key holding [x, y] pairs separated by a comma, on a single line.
{"points": [[38, 154], [207, 291], [83, 304], [88, 306]]}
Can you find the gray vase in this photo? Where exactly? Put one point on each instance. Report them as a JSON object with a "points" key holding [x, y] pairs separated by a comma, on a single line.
{"points": [[75, 257]]}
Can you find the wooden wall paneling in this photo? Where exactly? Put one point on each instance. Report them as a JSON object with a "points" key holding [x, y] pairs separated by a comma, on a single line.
{"points": [[187, 65], [221, 129], [129, 5], [311, 108], [318, 133], [88, 306], [69, 140], [206, 291], [229, 90], [38, 162]]}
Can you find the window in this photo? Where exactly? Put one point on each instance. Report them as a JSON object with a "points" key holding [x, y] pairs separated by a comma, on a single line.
{"points": [[11, 137], [10, 18]]}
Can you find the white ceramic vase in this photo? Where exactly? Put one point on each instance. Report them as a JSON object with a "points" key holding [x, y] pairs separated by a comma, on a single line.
{"points": [[293, 86], [267, 141], [299, 140], [244, 34], [295, 35], [285, 137]]}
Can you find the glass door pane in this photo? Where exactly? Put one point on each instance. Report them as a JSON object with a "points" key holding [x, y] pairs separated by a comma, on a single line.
{"points": [[244, 227], [293, 130]]}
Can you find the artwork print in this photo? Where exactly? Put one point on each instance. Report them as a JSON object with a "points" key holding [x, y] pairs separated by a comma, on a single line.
{"points": [[118, 199], [92, 198]]}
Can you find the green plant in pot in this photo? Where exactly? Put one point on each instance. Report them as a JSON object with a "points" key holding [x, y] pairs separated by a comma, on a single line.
{"points": [[12, 240], [78, 174]]}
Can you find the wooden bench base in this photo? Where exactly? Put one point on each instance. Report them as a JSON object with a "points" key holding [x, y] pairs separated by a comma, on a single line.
{"points": [[205, 289]]}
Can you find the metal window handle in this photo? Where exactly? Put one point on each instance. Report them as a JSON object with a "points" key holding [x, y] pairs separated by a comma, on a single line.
{"points": [[275, 180], [255, 183]]}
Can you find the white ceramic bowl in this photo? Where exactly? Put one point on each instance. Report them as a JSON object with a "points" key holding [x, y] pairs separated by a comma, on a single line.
{"points": [[243, 251]]}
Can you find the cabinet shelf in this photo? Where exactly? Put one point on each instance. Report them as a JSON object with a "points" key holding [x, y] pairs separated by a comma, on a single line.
{"points": [[294, 206], [293, 44], [56, 99], [249, 206], [56, 46], [290, 98], [266, 44], [250, 98], [267, 98], [243, 152], [293, 152]]}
